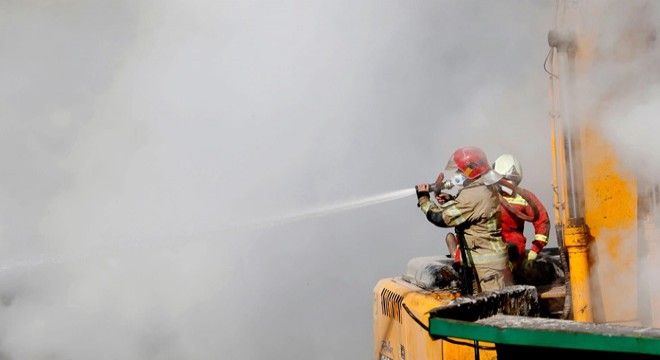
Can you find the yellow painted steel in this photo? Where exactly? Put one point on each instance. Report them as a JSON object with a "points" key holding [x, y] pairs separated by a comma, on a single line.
{"points": [[611, 214], [604, 256], [576, 240], [398, 337]]}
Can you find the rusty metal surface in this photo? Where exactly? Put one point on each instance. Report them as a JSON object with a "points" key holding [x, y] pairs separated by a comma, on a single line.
{"points": [[513, 300]]}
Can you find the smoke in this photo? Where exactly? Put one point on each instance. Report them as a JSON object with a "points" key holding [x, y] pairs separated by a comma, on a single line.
{"points": [[613, 81], [620, 78], [617, 82], [134, 132]]}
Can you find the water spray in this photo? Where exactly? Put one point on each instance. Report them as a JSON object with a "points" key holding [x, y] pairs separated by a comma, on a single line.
{"points": [[435, 187], [327, 210], [144, 243], [65, 256], [114, 249]]}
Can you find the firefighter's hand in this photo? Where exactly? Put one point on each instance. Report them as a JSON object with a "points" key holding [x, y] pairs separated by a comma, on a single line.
{"points": [[531, 257], [443, 198], [422, 190]]}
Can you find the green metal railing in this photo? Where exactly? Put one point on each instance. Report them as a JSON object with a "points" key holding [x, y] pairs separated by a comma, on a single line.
{"points": [[551, 333]]}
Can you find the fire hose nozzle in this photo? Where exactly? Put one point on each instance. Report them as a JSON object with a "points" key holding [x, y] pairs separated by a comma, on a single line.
{"points": [[439, 186]]}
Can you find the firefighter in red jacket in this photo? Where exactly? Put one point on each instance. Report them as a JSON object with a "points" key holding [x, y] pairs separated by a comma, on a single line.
{"points": [[518, 208]]}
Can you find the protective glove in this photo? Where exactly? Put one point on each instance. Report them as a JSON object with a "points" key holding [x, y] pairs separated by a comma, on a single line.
{"points": [[531, 256], [442, 198], [422, 190]]}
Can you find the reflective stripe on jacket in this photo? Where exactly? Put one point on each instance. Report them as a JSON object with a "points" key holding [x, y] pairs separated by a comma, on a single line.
{"points": [[476, 212], [513, 227]]}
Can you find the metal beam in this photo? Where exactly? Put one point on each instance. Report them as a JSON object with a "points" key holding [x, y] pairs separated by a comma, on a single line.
{"points": [[551, 333]]}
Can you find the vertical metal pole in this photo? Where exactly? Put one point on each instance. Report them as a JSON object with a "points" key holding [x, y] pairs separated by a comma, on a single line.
{"points": [[553, 139], [573, 163], [575, 232]]}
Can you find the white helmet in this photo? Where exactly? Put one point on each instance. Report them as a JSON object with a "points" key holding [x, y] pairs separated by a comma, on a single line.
{"points": [[509, 167]]}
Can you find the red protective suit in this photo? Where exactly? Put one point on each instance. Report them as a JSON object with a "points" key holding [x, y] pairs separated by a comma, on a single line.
{"points": [[513, 227]]}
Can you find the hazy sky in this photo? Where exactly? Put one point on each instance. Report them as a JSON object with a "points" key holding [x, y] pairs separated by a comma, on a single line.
{"points": [[135, 133]]}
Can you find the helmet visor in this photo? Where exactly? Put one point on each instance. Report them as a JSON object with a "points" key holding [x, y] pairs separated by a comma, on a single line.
{"points": [[451, 164]]}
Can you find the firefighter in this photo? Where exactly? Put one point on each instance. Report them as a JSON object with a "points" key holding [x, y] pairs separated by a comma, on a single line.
{"points": [[476, 216], [518, 208]]}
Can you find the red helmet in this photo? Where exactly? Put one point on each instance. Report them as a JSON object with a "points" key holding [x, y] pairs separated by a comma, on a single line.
{"points": [[470, 160]]}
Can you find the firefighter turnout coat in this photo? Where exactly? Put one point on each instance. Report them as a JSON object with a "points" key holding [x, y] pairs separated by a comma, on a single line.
{"points": [[475, 211], [513, 227]]}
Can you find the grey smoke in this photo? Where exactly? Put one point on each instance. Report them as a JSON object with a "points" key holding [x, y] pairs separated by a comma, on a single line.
{"points": [[128, 123]]}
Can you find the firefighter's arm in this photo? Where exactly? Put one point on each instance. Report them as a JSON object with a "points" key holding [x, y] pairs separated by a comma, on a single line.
{"points": [[541, 228], [456, 211], [433, 213]]}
